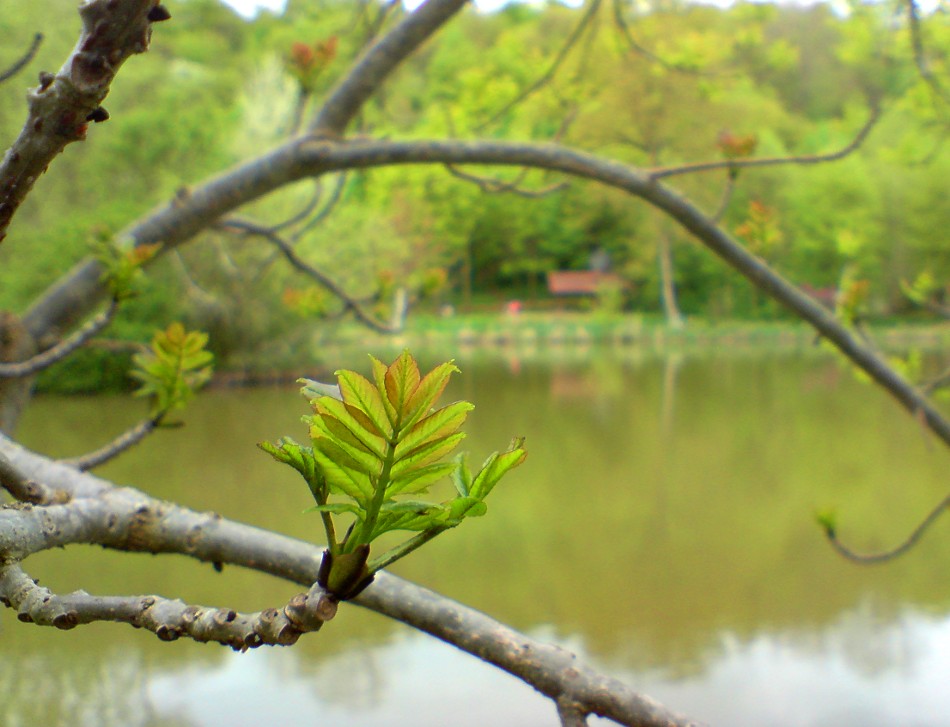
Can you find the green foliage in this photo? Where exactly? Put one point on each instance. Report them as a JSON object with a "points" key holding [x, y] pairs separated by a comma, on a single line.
{"points": [[173, 369], [376, 448], [121, 267], [828, 521]]}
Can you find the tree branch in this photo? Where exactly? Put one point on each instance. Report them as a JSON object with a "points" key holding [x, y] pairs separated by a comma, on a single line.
{"points": [[920, 59], [551, 670], [117, 446], [62, 106], [309, 157], [381, 59], [95, 512], [20, 64], [349, 303], [546, 77], [168, 619], [494, 186], [57, 353], [733, 164], [884, 556]]}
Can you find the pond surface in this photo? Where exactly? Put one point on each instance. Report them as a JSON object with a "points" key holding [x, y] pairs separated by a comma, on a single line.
{"points": [[662, 527]]}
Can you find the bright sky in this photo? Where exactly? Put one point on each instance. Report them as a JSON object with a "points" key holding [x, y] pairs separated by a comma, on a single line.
{"points": [[247, 8]]}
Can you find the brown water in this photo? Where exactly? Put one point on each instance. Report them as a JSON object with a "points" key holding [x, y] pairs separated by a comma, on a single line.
{"points": [[662, 526]]}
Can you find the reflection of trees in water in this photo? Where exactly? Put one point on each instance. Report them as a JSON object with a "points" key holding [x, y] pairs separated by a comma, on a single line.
{"points": [[41, 690], [873, 640], [355, 679]]}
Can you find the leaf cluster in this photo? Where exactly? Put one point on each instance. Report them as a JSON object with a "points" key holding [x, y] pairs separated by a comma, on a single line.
{"points": [[121, 267], [173, 368], [377, 447]]}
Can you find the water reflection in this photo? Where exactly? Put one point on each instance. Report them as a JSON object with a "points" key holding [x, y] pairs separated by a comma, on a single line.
{"points": [[662, 524], [861, 671]]}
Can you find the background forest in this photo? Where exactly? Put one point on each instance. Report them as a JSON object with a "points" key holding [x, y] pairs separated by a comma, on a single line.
{"points": [[684, 83]]}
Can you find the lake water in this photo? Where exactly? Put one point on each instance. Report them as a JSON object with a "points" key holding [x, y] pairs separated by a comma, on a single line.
{"points": [[662, 527]]}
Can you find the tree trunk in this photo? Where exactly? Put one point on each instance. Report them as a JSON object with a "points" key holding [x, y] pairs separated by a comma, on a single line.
{"points": [[16, 344], [664, 252]]}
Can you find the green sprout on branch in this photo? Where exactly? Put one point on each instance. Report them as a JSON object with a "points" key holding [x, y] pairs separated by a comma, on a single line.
{"points": [[173, 368], [376, 447], [122, 265]]}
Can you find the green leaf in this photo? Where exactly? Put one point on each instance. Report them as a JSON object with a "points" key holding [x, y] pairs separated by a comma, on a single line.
{"points": [[350, 417], [418, 507], [438, 425], [342, 473], [495, 467], [462, 476], [379, 374], [419, 480], [401, 380], [427, 453], [462, 507], [337, 508], [173, 369], [314, 390], [428, 391], [360, 393], [332, 429]]}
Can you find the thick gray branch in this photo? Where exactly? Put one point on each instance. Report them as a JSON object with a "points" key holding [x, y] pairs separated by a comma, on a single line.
{"points": [[166, 618], [126, 519], [62, 106]]}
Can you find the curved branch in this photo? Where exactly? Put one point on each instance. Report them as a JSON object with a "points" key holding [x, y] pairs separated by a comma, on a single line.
{"points": [[884, 556], [20, 64], [349, 303], [57, 353], [62, 106], [174, 224], [126, 519], [494, 186], [168, 619], [555, 158], [117, 446], [381, 59], [733, 164]]}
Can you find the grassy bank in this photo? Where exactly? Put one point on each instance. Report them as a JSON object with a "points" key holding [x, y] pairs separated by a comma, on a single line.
{"points": [[318, 349]]}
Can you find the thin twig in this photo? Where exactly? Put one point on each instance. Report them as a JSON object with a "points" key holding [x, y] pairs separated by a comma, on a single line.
{"points": [[884, 556], [621, 22], [732, 164], [920, 60], [546, 77], [20, 64], [491, 185], [349, 302], [61, 350], [117, 446], [725, 199]]}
